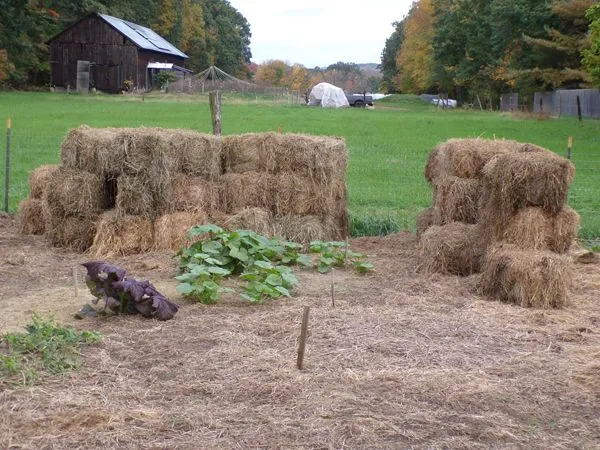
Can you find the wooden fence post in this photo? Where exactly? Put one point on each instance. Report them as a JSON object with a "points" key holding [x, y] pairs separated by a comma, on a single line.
{"points": [[569, 147], [579, 108], [7, 162], [214, 99], [303, 333]]}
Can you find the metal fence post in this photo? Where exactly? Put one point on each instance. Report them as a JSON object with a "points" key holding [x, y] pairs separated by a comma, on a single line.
{"points": [[7, 168]]}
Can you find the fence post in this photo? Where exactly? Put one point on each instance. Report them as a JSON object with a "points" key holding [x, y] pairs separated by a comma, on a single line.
{"points": [[7, 168], [214, 99], [569, 147], [579, 108]]}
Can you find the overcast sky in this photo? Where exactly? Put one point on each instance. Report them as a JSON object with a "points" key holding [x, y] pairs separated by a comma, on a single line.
{"points": [[320, 32]]}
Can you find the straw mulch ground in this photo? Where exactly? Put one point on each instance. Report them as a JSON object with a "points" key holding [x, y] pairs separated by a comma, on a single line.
{"points": [[404, 360]]}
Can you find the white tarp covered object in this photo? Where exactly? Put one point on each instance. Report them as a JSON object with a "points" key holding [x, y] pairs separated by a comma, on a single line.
{"points": [[328, 96]]}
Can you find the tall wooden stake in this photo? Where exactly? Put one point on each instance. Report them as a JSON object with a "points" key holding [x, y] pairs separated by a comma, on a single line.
{"points": [[7, 167], [569, 147], [215, 111], [303, 333], [579, 108]]}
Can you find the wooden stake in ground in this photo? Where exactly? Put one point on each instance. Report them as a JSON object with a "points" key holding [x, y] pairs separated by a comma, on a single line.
{"points": [[214, 99], [7, 166], [303, 333], [569, 147]]}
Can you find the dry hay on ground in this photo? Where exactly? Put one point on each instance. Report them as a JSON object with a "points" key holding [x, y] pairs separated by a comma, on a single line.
{"points": [[425, 219], [320, 159], [120, 234], [457, 200], [403, 360], [532, 228], [31, 217], [466, 158], [170, 230], [72, 232], [529, 278], [74, 193], [39, 179], [193, 194], [456, 248]]}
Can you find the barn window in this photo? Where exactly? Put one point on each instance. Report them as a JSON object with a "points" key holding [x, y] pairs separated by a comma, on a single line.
{"points": [[109, 192]]}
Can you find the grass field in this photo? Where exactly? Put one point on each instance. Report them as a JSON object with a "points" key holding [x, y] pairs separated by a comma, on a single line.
{"points": [[388, 146]]}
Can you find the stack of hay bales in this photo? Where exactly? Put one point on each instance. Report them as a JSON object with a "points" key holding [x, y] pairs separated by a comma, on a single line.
{"points": [[130, 190], [500, 208]]}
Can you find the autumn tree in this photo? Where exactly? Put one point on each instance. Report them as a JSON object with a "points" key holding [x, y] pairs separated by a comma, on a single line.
{"points": [[298, 78], [167, 17], [274, 72], [415, 58]]}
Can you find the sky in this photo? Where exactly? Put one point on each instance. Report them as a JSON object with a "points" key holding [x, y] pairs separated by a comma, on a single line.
{"points": [[320, 32]]}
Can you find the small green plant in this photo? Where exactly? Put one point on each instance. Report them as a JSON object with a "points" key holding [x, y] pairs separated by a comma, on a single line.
{"points": [[263, 263], [164, 77], [45, 347]]}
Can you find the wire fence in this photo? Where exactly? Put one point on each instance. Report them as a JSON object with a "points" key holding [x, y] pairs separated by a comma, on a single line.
{"points": [[391, 190]]}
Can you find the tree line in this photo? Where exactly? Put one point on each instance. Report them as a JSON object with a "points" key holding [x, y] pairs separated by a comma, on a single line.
{"points": [[210, 32], [478, 49], [351, 77]]}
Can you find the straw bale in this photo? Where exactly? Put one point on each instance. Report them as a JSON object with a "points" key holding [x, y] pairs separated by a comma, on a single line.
{"points": [[293, 194], [192, 193], [321, 159], [529, 278], [39, 179], [456, 248], [194, 153], [170, 230], [532, 228], [304, 229], [512, 182], [146, 150], [72, 192], [94, 150], [248, 189], [120, 234], [73, 232], [465, 158], [457, 200], [135, 196], [255, 219], [31, 217], [425, 219]]}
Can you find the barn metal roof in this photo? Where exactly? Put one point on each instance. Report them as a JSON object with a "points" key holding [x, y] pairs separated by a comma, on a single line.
{"points": [[143, 37]]}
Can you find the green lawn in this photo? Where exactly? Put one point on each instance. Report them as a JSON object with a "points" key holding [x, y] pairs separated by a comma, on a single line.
{"points": [[388, 146]]}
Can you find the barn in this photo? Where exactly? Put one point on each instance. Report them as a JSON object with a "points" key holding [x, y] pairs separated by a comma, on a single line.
{"points": [[111, 54]]}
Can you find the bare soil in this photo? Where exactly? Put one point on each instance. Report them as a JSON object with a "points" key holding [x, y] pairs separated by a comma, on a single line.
{"points": [[404, 359]]}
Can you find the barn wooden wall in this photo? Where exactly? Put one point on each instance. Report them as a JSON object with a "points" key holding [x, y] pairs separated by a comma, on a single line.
{"points": [[115, 58]]}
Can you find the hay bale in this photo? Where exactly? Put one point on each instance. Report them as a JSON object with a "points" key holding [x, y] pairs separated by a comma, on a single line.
{"points": [[532, 228], [456, 248], [137, 195], [321, 159], [304, 229], [72, 192], [466, 158], [120, 235], [72, 232], [94, 150], [255, 219], [31, 217], [425, 219], [193, 194], [529, 278], [240, 190], [515, 181], [193, 153], [39, 179], [292, 194], [145, 150], [457, 200], [170, 230]]}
